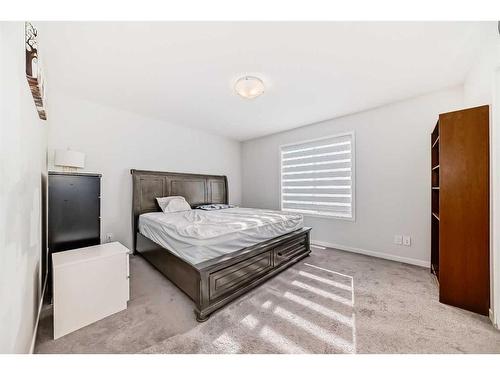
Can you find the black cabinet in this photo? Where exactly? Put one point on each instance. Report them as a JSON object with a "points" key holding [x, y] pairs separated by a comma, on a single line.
{"points": [[74, 211]]}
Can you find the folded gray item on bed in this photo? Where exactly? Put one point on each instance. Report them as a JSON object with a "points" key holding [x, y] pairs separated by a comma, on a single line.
{"points": [[210, 207]]}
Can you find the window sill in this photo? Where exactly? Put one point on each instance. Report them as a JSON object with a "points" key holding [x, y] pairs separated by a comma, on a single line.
{"points": [[319, 216]]}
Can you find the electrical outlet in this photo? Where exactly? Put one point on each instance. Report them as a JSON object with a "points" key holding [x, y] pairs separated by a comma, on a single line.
{"points": [[398, 239], [407, 240], [109, 237]]}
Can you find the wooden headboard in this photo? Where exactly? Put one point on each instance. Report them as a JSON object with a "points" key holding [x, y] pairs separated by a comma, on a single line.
{"points": [[196, 188]]}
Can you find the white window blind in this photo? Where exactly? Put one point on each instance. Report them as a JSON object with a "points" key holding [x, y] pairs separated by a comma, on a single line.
{"points": [[317, 177]]}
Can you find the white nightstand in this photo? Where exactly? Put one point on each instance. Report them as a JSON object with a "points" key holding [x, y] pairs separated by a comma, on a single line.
{"points": [[90, 283]]}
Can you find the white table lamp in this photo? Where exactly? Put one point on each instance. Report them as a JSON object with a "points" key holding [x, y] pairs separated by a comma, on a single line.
{"points": [[70, 160]]}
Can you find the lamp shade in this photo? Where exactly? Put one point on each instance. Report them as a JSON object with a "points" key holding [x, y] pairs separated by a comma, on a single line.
{"points": [[69, 158]]}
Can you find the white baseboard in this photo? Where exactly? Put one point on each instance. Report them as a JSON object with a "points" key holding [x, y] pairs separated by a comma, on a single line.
{"points": [[491, 315], [40, 305], [376, 254]]}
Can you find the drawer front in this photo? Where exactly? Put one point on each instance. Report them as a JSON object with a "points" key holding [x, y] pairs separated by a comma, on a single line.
{"points": [[289, 250], [237, 275]]}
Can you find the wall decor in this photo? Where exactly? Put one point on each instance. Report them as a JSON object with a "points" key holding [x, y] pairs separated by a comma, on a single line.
{"points": [[33, 70]]}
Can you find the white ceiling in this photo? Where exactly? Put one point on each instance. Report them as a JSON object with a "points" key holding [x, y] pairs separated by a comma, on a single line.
{"points": [[183, 72]]}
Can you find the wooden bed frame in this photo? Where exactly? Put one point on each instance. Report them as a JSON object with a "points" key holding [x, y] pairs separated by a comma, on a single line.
{"points": [[213, 283]]}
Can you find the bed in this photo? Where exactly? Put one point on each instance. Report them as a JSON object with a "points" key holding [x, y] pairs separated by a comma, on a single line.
{"points": [[236, 250]]}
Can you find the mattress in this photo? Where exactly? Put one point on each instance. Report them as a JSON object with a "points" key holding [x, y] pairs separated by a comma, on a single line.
{"points": [[197, 235]]}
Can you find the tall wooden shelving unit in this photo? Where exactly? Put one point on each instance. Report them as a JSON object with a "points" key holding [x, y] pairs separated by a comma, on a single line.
{"points": [[435, 200], [460, 221]]}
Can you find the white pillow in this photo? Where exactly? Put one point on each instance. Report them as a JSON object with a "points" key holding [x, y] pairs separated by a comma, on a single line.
{"points": [[173, 204]]}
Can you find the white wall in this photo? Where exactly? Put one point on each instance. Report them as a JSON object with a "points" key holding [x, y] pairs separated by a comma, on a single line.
{"points": [[23, 142], [478, 85], [482, 86], [392, 176], [115, 141], [495, 201]]}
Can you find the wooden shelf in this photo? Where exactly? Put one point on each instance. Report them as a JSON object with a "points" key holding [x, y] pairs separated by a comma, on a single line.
{"points": [[435, 199]]}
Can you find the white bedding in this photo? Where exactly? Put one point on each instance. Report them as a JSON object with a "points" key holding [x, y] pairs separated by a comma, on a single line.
{"points": [[198, 235]]}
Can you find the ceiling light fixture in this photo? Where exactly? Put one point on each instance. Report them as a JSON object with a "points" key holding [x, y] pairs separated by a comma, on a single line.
{"points": [[249, 87]]}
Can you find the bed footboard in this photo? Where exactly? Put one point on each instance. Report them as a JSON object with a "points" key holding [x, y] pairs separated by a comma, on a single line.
{"points": [[216, 282], [226, 280]]}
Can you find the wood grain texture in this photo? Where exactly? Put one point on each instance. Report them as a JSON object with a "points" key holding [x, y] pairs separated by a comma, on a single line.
{"points": [[464, 279]]}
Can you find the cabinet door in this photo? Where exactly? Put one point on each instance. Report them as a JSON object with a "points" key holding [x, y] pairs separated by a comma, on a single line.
{"points": [[74, 211]]}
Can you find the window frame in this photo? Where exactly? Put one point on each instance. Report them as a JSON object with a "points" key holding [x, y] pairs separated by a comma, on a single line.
{"points": [[353, 176]]}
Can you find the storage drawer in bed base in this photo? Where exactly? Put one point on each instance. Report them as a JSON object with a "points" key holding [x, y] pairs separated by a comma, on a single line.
{"points": [[226, 280]]}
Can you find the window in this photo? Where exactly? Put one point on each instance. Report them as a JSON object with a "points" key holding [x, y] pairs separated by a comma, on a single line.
{"points": [[317, 177]]}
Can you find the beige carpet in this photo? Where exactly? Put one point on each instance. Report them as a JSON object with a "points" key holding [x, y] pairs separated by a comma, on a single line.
{"points": [[331, 302]]}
